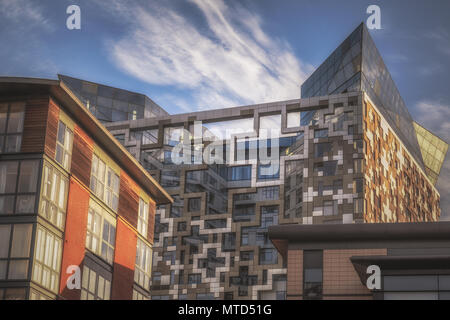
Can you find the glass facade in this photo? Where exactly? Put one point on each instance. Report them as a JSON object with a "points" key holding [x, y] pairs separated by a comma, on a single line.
{"points": [[433, 151], [111, 104], [356, 65]]}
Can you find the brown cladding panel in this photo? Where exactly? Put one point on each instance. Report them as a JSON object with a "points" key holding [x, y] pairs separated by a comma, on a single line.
{"points": [[52, 129], [83, 147], [34, 126], [151, 221], [128, 199]]}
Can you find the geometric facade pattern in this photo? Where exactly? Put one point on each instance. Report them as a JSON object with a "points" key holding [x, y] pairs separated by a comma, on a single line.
{"points": [[336, 166], [356, 65], [433, 151]]}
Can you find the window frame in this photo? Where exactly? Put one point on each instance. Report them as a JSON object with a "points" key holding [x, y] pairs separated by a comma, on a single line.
{"points": [[5, 134], [143, 217], [143, 269], [105, 217], [18, 193], [47, 201], [66, 149], [42, 257]]}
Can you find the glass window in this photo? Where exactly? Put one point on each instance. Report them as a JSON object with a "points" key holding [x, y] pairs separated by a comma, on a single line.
{"points": [[15, 251], [330, 208], [21, 177], [194, 204], [173, 136], [139, 296], [312, 274], [94, 286], [239, 173], [194, 278], [11, 126], [105, 183], [101, 232], [268, 256], [323, 149], [150, 136], [143, 218], [293, 119], [64, 146], [322, 133], [13, 294], [54, 196], [143, 271], [47, 259]]}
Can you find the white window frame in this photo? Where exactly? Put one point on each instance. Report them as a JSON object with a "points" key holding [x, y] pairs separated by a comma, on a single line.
{"points": [[105, 183], [143, 266], [95, 242], [47, 262], [94, 286], [143, 215], [64, 148], [55, 186]]}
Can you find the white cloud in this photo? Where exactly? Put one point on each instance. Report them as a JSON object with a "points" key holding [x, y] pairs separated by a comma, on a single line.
{"points": [[435, 116], [24, 14], [231, 61]]}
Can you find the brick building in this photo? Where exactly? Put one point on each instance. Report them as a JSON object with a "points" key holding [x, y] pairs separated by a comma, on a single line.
{"points": [[72, 200], [331, 261]]}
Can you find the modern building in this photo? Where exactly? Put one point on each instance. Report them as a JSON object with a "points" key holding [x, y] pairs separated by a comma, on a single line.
{"points": [[346, 152], [332, 261], [77, 211], [110, 104], [433, 151]]}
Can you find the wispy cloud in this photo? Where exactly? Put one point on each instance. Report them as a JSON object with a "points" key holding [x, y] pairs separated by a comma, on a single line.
{"points": [[441, 39], [24, 14], [23, 28], [230, 61], [435, 116]]}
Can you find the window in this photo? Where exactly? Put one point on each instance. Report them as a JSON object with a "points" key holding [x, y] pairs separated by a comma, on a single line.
{"points": [[330, 208], [173, 136], [312, 274], [268, 256], [139, 296], [94, 286], [322, 133], [64, 146], [142, 271], [18, 184], [101, 232], [322, 149], [36, 295], [358, 185], [143, 218], [105, 183], [328, 168], [182, 226], [13, 294], [15, 241], [120, 138], [195, 278], [194, 204], [239, 173], [47, 259], [150, 136], [54, 196], [11, 126], [246, 256]]}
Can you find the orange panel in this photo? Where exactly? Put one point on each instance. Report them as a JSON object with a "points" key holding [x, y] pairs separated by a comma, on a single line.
{"points": [[75, 235], [52, 129], [124, 260]]}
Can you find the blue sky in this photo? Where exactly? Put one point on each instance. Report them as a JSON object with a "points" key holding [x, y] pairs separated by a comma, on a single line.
{"points": [[192, 55]]}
